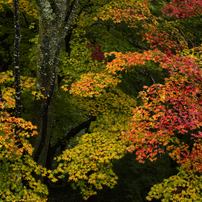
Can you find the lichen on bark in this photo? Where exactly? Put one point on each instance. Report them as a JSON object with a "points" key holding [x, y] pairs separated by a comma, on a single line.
{"points": [[52, 31]]}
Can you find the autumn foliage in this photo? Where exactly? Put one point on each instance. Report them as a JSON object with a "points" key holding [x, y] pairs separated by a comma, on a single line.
{"points": [[182, 9], [17, 166], [97, 54], [166, 121], [169, 109]]}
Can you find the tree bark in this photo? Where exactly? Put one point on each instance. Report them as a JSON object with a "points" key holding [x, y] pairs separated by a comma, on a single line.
{"points": [[52, 32], [16, 59]]}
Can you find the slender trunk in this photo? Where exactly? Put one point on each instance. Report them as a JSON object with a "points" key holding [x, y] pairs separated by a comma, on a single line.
{"points": [[16, 59], [52, 33]]}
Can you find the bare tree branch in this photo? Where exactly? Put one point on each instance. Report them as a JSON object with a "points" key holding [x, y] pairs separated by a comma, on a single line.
{"points": [[71, 133]]}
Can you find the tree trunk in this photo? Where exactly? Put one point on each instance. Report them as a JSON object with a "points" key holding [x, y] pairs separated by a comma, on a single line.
{"points": [[52, 32], [16, 59]]}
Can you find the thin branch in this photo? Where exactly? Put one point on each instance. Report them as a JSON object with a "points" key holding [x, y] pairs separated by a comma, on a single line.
{"points": [[153, 81], [133, 42], [24, 16], [186, 37], [3, 65], [152, 78]]}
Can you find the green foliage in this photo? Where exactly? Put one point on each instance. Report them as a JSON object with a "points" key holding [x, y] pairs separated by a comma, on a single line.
{"points": [[69, 115], [28, 23], [184, 186], [93, 88], [89, 163]]}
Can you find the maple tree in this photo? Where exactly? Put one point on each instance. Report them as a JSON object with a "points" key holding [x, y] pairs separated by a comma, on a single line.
{"points": [[167, 121], [168, 110], [182, 9], [185, 12]]}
